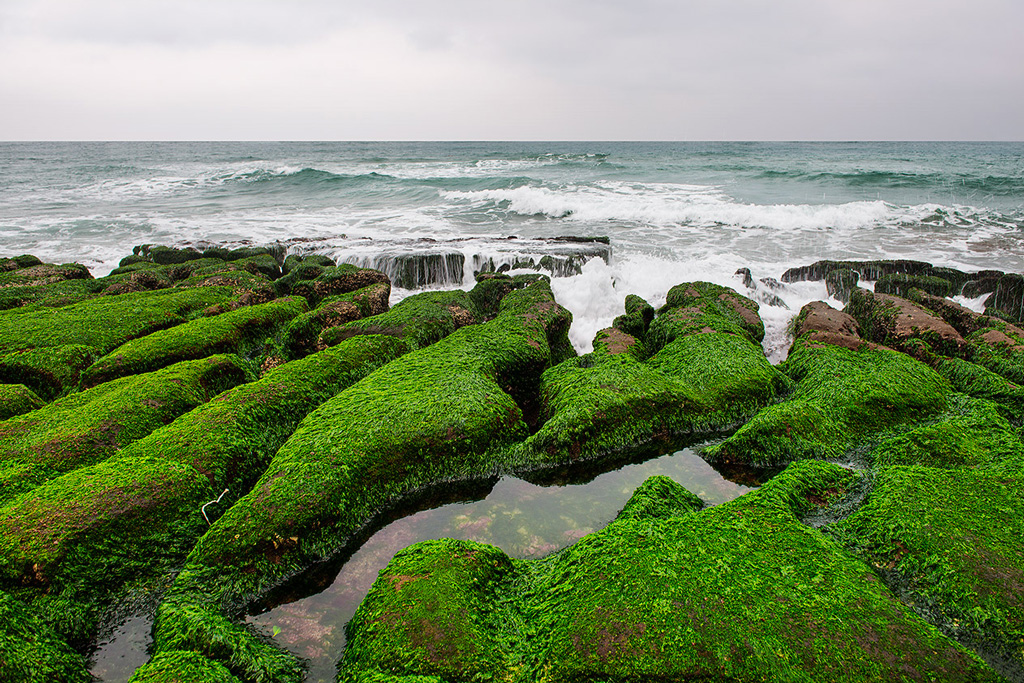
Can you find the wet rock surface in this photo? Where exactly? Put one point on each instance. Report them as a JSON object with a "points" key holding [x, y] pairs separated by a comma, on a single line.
{"points": [[203, 424]]}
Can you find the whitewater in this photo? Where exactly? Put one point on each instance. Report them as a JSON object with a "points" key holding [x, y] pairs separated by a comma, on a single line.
{"points": [[673, 212]]}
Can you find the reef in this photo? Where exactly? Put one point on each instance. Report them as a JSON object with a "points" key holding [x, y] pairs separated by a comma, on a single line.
{"points": [[204, 425]]}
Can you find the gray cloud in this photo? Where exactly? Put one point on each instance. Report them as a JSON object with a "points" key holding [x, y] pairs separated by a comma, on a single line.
{"points": [[451, 69]]}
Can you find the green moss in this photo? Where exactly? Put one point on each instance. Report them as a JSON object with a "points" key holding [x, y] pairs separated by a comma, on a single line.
{"points": [[840, 283], [900, 285], [86, 533], [609, 401], [1000, 349], [317, 283], [971, 434], [248, 288], [694, 307], [727, 373], [900, 324], [43, 274], [30, 652], [106, 322], [22, 299], [441, 413], [17, 399], [600, 404], [182, 667], [302, 334], [293, 261], [951, 542], [638, 317], [419, 320], [88, 427], [741, 591], [840, 395], [168, 255], [16, 262], [976, 381], [50, 372], [488, 292], [232, 439], [242, 331]]}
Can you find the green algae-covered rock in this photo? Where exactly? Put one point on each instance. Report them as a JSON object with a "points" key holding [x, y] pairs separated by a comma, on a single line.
{"points": [[840, 283], [897, 322], [900, 285], [742, 592], [43, 274], [247, 289], [694, 307], [441, 413], [17, 399], [105, 322], [231, 439], [294, 261], [840, 395], [976, 381], [727, 373], [16, 262], [302, 333], [90, 426], [950, 541], [637, 318], [242, 332], [49, 372], [971, 434], [999, 347], [182, 667], [317, 283], [700, 380], [419, 320], [30, 652], [605, 402]]}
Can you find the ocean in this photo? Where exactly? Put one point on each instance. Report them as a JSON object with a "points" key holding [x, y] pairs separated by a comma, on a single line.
{"points": [[673, 212]]}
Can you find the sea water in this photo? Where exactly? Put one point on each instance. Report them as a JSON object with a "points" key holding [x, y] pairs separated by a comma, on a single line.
{"points": [[674, 212]]}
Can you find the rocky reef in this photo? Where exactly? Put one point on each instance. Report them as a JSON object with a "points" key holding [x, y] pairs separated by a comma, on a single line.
{"points": [[200, 427]]}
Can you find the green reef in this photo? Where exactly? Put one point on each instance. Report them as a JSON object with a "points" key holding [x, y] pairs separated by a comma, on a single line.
{"points": [[203, 429]]}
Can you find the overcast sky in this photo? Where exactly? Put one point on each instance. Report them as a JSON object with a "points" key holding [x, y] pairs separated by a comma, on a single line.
{"points": [[520, 70]]}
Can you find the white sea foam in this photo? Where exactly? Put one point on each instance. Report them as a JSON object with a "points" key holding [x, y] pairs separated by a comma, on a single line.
{"points": [[597, 296]]}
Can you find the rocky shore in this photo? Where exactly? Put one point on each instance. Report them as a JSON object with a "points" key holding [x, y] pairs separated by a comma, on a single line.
{"points": [[198, 428]]}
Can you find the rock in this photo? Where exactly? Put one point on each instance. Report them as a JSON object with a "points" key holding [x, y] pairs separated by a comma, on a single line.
{"points": [[638, 317], [839, 283], [818, 322], [107, 322], [704, 307], [419, 320], [17, 399], [950, 540], [138, 511], [49, 372], [701, 380], [897, 322], [748, 279], [90, 426], [840, 395], [241, 332], [440, 413], [900, 285], [302, 333], [1007, 300]]}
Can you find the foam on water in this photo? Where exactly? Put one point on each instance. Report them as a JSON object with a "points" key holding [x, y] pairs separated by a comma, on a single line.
{"points": [[598, 295]]}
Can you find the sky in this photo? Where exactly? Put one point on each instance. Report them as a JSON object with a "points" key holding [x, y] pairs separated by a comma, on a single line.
{"points": [[523, 70]]}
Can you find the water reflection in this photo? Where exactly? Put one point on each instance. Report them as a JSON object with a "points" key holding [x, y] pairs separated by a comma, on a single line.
{"points": [[524, 519]]}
